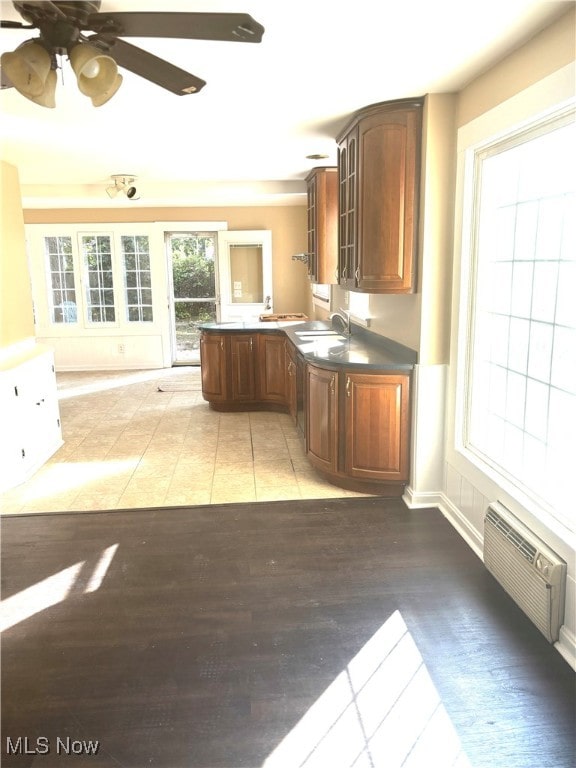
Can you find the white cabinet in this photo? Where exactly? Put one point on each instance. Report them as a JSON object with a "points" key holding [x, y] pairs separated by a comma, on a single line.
{"points": [[29, 415]]}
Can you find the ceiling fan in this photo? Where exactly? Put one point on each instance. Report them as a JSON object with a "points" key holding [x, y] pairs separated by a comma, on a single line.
{"points": [[63, 25]]}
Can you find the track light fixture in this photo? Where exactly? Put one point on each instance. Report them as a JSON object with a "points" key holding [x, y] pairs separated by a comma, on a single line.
{"points": [[31, 69], [123, 183]]}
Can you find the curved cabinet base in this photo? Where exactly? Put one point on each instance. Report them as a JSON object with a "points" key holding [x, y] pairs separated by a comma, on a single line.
{"points": [[382, 488], [247, 406], [357, 423]]}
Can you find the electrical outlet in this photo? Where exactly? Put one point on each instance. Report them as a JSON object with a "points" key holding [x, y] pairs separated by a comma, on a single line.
{"points": [[121, 348], [346, 299]]}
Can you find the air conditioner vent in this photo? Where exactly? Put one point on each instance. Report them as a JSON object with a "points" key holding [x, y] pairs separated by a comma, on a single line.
{"points": [[532, 573], [526, 549]]}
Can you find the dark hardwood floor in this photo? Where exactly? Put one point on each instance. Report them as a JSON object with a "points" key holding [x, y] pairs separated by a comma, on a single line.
{"points": [[330, 633]]}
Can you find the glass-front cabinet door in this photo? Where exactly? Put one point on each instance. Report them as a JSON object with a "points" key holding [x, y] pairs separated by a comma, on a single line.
{"points": [[245, 266]]}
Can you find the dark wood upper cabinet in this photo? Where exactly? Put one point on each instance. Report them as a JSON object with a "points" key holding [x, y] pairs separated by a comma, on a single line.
{"points": [[322, 195], [379, 187]]}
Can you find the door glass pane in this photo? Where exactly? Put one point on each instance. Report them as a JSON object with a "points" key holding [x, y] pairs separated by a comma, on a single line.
{"points": [[194, 291], [246, 274]]}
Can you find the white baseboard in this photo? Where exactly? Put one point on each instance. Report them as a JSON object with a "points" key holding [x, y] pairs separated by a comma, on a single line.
{"points": [[451, 513], [415, 500], [566, 646], [459, 521]]}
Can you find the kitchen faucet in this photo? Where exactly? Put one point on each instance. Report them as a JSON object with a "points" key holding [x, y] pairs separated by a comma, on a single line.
{"points": [[344, 320]]}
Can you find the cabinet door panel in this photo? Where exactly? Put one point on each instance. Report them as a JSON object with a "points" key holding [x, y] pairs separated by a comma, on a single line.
{"points": [[377, 426], [322, 418], [322, 187], [272, 367], [386, 236], [243, 351], [213, 366], [292, 383], [347, 209]]}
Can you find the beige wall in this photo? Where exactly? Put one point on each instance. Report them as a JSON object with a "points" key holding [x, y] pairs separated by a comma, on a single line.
{"points": [[546, 52], [16, 313], [421, 320], [287, 223]]}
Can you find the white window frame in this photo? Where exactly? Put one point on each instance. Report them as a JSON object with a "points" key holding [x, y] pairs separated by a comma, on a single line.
{"points": [[68, 309], [138, 272], [548, 97], [85, 281]]}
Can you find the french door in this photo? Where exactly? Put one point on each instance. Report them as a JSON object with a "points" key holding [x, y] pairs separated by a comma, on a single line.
{"points": [[193, 273]]}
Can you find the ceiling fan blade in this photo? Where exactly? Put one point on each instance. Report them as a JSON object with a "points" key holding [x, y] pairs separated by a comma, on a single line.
{"points": [[235, 27], [32, 10], [151, 67], [14, 25]]}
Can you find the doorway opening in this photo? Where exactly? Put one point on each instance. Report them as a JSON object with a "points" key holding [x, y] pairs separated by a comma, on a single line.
{"points": [[193, 296]]}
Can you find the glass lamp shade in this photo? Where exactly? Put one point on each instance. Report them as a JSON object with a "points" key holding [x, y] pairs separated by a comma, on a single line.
{"points": [[95, 72], [104, 96], [48, 96], [28, 68]]}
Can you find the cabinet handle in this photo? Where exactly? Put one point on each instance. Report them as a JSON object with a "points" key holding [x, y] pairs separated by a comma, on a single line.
{"points": [[357, 274], [252, 341], [222, 343], [332, 384], [347, 386]]}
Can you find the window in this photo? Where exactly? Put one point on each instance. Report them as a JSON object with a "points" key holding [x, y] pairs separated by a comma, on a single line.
{"points": [[137, 278], [520, 399], [62, 284], [97, 254]]}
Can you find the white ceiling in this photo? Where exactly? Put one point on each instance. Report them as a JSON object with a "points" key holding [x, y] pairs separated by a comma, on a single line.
{"points": [[244, 138]]}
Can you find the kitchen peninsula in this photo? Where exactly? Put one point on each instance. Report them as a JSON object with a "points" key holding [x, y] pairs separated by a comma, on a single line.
{"points": [[349, 395]]}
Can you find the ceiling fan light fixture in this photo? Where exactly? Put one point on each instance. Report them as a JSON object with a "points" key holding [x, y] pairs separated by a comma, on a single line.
{"points": [[96, 72], [106, 95], [28, 68], [63, 27], [48, 96]]}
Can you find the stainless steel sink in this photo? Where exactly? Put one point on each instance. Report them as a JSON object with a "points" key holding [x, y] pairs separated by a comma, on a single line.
{"points": [[318, 335]]}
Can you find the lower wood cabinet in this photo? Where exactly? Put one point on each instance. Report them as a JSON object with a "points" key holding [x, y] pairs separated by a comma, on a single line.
{"points": [[242, 355], [290, 355], [358, 427], [376, 426], [272, 368], [322, 418], [244, 370], [214, 366]]}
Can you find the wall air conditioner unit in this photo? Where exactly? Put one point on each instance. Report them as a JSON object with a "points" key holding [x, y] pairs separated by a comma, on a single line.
{"points": [[532, 574]]}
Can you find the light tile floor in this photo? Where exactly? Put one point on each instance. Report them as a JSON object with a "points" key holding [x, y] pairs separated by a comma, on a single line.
{"points": [[128, 445]]}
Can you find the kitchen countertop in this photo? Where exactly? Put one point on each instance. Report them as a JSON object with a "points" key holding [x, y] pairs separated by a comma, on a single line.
{"points": [[362, 349]]}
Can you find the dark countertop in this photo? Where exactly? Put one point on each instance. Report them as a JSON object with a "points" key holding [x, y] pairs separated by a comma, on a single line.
{"points": [[362, 349]]}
